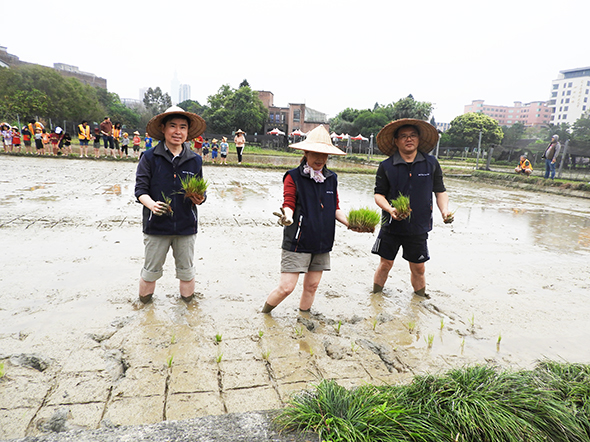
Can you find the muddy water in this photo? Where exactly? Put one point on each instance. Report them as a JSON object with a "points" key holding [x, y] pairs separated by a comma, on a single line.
{"points": [[509, 284]]}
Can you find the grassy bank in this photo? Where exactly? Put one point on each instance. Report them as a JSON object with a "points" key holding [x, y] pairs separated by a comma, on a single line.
{"points": [[481, 403]]}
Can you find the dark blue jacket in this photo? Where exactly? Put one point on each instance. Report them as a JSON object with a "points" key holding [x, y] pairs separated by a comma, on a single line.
{"points": [[157, 174], [314, 219], [418, 180]]}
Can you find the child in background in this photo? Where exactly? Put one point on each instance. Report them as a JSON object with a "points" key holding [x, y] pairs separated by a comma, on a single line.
{"points": [[16, 139], [214, 150], [39, 140], [148, 141], [27, 139], [66, 144], [96, 142], [45, 139], [6, 136], [223, 150], [125, 145], [136, 144], [206, 146], [55, 139]]}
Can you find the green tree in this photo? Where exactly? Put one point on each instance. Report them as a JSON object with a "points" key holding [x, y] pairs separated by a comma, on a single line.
{"points": [[512, 134], [581, 136], [155, 101], [192, 106], [231, 109], [465, 129], [410, 108]]}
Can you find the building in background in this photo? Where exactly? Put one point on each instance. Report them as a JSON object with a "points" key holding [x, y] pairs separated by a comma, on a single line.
{"points": [[8, 60], [288, 119], [533, 114], [184, 92], [442, 127], [569, 95]]}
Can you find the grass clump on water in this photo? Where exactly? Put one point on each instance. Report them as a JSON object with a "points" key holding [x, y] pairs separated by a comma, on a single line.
{"points": [[481, 403], [193, 185], [402, 205], [363, 220]]}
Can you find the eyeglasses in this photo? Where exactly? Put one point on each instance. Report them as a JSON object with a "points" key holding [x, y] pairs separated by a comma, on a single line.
{"points": [[404, 137]]}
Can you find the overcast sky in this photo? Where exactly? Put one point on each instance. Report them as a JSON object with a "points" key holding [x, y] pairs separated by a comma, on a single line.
{"points": [[329, 55]]}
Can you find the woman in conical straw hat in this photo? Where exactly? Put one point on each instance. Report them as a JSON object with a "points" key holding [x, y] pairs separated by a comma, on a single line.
{"points": [[309, 213]]}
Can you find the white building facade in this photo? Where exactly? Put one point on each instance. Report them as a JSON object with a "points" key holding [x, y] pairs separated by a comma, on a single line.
{"points": [[570, 96]]}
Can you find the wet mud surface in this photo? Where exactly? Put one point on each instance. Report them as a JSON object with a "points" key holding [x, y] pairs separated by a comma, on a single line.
{"points": [[509, 285]]}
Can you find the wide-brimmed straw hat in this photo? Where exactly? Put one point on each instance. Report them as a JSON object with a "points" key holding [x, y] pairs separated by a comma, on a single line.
{"points": [[428, 135], [240, 131], [319, 141], [136, 133], [196, 127]]}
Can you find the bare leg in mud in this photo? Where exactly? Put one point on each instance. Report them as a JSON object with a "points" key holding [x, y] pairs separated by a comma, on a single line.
{"points": [[286, 286]]}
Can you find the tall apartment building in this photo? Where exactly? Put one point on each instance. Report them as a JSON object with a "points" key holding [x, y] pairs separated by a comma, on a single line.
{"points": [[535, 113], [569, 95], [184, 92]]}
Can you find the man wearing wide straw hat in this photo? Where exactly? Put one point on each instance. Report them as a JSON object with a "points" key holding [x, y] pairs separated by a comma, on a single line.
{"points": [[411, 172], [309, 213], [169, 219]]}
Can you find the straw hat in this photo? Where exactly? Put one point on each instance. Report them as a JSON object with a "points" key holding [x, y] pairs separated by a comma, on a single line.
{"points": [[318, 140], [197, 124], [136, 133], [214, 140], [240, 131], [428, 135], [58, 130]]}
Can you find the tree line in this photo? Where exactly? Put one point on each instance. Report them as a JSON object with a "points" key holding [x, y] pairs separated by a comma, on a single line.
{"points": [[33, 91]]}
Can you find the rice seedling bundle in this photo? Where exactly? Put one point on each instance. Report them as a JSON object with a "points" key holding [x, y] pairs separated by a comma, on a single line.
{"points": [[193, 185], [363, 220], [402, 205]]}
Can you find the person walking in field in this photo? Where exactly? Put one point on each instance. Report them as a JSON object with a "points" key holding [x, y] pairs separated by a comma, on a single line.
{"points": [[309, 214], [411, 172], [169, 219]]}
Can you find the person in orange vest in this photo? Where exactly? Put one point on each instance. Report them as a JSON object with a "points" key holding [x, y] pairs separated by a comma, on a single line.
{"points": [[116, 138], [524, 166], [84, 137]]}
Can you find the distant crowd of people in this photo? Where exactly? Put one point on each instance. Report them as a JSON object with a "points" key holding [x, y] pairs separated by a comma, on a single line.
{"points": [[35, 139]]}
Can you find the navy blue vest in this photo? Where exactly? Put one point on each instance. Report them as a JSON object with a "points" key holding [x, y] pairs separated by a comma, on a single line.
{"points": [[314, 220], [415, 180]]}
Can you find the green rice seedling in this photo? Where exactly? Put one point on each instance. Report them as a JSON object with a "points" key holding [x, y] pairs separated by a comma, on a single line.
{"points": [[442, 323], [429, 340], [472, 320], [173, 339], [169, 361], [298, 331], [193, 185], [311, 351], [462, 345], [499, 339], [337, 326], [265, 355], [375, 322], [363, 220], [354, 347], [218, 338], [2, 372], [218, 358], [411, 326], [260, 333], [402, 205], [167, 201]]}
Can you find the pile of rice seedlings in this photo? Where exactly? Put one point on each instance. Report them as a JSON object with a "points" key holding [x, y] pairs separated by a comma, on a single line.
{"points": [[363, 220], [481, 403], [402, 205], [193, 185]]}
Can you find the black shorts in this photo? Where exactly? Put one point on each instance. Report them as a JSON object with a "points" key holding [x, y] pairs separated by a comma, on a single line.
{"points": [[415, 247]]}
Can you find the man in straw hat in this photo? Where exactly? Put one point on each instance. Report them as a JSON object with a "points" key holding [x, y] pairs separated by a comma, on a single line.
{"points": [[311, 199], [411, 172], [169, 219]]}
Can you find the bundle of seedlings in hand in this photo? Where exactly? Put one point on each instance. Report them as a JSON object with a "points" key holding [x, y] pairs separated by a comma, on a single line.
{"points": [[167, 201], [363, 220], [449, 218], [402, 205], [193, 186]]}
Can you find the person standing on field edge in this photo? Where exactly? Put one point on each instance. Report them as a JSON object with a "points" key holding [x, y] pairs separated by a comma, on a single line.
{"points": [[240, 141], [84, 137], [169, 219], [411, 172], [550, 156], [106, 130]]}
